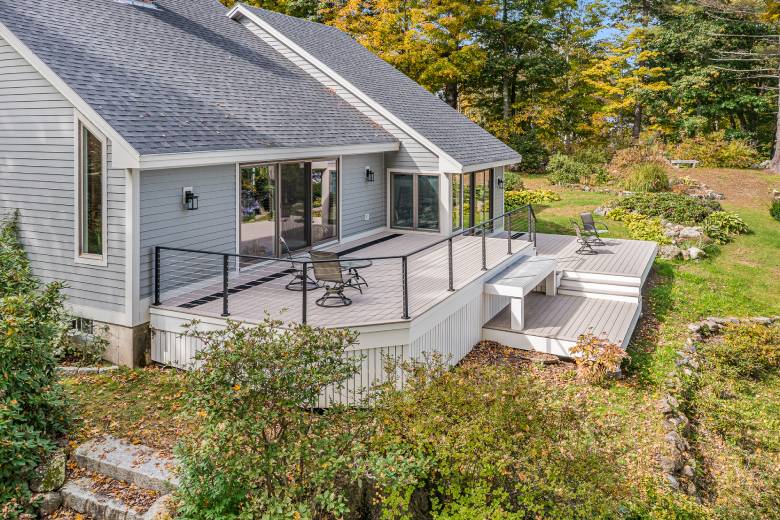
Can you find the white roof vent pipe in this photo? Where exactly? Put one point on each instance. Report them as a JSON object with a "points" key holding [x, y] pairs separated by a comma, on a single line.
{"points": [[148, 4]]}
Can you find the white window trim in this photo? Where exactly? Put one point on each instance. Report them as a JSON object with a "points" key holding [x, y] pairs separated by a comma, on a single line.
{"points": [[389, 199], [88, 259]]}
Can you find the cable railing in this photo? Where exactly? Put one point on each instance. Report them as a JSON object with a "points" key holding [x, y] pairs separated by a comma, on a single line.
{"points": [[190, 278]]}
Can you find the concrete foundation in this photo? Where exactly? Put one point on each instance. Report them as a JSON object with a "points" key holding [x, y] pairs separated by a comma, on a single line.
{"points": [[128, 346]]}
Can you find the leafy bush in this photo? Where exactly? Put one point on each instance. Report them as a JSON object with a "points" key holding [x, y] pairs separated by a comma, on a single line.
{"points": [[626, 158], [33, 410], [469, 443], [593, 155], [564, 170], [517, 199], [715, 151], [512, 181], [640, 227], [646, 177], [774, 209], [83, 349], [746, 350], [721, 225], [260, 450], [597, 358], [674, 207]]}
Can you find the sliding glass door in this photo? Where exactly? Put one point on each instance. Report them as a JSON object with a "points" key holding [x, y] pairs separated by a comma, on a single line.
{"points": [[258, 210], [472, 198], [324, 195], [414, 200]]}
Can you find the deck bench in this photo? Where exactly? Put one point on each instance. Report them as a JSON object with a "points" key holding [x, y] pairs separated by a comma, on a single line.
{"points": [[519, 280]]}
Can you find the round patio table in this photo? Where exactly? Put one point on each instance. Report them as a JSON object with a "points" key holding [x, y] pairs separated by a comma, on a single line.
{"points": [[351, 266]]}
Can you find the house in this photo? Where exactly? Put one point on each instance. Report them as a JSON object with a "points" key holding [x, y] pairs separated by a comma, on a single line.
{"points": [[163, 154]]}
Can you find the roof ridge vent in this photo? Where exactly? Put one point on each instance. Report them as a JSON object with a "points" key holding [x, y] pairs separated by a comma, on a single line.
{"points": [[148, 4]]}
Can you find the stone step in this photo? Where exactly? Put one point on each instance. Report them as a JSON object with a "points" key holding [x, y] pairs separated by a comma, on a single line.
{"points": [[145, 467], [79, 496]]}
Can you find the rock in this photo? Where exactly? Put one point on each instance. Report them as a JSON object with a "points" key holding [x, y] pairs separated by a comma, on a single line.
{"points": [[50, 475], [600, 211], [691, 488], [761, 320], [672, 481], [670, 252], [695, 252], [667, 464], [712, 325], [694, 327], [687, 471], [686, 254], [690, 233], [49, 502]]}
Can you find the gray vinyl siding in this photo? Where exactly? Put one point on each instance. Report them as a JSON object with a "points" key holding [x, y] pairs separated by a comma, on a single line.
{"points": [[37, 172], [412, 155], [165, 222], [360, 196]]}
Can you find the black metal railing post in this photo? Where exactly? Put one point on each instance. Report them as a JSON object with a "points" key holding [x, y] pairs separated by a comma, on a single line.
{"points": [[405, 287], [530, 224], [225, 267], [484, 247], [508, 233], [157, 275], [451, 271], [305, 290]]}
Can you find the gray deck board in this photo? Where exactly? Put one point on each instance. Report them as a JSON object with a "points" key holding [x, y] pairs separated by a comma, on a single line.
{"points": [[618, 257]]}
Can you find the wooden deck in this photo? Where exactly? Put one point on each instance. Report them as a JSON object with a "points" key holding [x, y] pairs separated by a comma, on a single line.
{"points": [[261, 289], [618, 257]]}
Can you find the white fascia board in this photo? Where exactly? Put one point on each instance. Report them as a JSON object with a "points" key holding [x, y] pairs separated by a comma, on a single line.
{"points": [[444, 158], [485, 166], [182, 160], [123, 155]]}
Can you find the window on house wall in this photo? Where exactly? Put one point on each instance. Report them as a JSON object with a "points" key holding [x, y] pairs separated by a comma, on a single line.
{"points": [[91, 194]]}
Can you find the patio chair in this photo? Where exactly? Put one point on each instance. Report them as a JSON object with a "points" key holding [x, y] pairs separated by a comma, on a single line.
{"points": [[327, 271], [296, 284], [585, 241], [593, 228]]}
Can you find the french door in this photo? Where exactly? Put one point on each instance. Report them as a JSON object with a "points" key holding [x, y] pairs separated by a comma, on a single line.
{"points": [[472, 198], [414, 201], [293, 201]]}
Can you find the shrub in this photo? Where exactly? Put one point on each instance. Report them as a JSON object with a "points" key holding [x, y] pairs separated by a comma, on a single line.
{"points": [[625, 159], [597, 358], [467, 443], [33, 410], [715, 151], [593, 155], [564, 170], [646, 177], [647, 229], [512, 181], [774, 209], [517, 199], [674, 207], [721, 225], [260, 450], [83, 349], [746, 350]]}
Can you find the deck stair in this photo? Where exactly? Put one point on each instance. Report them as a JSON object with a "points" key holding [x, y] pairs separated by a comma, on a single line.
{"points": [[141, 470], [599, 285]]}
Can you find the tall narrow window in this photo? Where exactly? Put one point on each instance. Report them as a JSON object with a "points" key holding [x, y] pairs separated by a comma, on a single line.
{"points": [[457, 201], [91, 193]]}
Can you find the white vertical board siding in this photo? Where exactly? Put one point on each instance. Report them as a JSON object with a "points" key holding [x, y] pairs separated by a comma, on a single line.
{"points": [[360, 197], [37, 177], [492, 304], [411, 155], [165, 222], [453, 335]]}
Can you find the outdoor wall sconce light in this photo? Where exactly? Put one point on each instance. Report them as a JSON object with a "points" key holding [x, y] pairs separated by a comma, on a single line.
{"points": [[189, 199], [500, 183], [369, 174]]}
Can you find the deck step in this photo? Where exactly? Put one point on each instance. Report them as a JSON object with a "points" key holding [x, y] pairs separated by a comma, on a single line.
{"points": [[79, 496], [610, 279], [599, 288], [145, 467]]}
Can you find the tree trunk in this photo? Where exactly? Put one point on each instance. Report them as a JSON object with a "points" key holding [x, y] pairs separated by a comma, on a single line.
{"points": [[637, 130], [774, 165], [451, 94], [505, 93]]}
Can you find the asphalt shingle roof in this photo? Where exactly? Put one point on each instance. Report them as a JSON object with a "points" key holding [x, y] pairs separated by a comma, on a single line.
{"points": [[184, 77], [455, 134]]}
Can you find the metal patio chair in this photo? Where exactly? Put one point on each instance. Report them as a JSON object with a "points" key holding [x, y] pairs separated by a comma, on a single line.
{"points": [[585, 241], [296, 284], [593, 228], [328, 273]]}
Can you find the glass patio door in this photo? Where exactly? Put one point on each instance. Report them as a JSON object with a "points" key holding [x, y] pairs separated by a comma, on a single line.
{"points": [[295, 204], [414, 200], [258, 210], [472, 198]]}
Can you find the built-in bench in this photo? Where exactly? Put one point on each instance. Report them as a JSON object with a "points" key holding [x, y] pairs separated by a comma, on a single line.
{"points": [[684, 162], [519, 280]]}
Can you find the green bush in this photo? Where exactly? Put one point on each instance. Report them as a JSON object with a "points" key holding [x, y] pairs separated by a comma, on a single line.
{"points": [[640, 227], [260, 449], [83, 349], [715, 151], [746, 350], [646, 177], [33, 409], [517, 199], [565, 170], [513, 182], [722, 225], [674, 207], [490, 442], [774, 209]]}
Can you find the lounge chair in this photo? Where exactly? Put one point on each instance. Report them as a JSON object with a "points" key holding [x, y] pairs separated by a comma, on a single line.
{"points": [[328, 273], [585, 241], [593, 228], [296, 284]]}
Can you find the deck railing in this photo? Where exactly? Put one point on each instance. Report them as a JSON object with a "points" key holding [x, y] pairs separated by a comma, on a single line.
{"points": [[175, 276]]}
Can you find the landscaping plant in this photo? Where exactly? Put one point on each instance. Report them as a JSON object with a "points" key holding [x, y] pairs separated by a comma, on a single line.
{"points": [[566, 170], [517, 199], [722, 225], [674, 207], [646, 177], [774, 209], [715, 151], [597, 358], [261, 448]]}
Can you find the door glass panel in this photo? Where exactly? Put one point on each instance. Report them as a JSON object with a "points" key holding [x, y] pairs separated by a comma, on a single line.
{"points": [[457, 197], [482, 196], [428, 202], [294, 201], [324, 196], [402, 200], [468, 200], [258, 206]]}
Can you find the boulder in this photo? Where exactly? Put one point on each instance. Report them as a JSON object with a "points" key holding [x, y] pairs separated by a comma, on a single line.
{"points": [[690, 233], [50, 474], [48, 502], [695, 253], [670, 252]]}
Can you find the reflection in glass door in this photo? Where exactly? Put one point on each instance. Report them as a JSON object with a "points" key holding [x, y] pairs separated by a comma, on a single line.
{"points": [[472, 199], [428, 202], [294, 204], [483, 196], [258, 210], [402, 196], [457, 201], [324, 194]]}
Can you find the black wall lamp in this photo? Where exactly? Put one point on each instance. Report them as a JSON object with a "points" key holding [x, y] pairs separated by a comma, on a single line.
{"points": [[369, 174], [189, 199], [500, 183]]}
